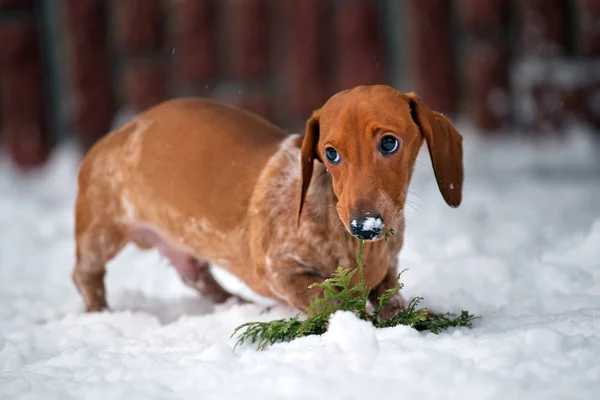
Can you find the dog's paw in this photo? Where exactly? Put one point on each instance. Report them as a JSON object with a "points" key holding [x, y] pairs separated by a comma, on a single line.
{"points": [[97, 307], [393, 307]]}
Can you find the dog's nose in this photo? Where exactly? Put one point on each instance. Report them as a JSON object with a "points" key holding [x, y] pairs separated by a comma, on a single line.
{"points": [[367, 228]]}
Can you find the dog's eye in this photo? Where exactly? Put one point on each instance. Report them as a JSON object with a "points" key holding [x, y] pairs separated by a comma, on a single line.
{"points": [[332, 155], [389, 145]]}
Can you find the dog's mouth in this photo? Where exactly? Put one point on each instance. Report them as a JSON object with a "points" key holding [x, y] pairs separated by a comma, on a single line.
{"points": [[375, 239]]}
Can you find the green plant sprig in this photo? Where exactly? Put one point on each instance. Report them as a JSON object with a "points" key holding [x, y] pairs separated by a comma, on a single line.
{"points": [[339, 294]]}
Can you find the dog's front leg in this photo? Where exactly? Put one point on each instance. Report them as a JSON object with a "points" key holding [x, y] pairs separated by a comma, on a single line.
{"points": [[396, 303], [290, 280]]}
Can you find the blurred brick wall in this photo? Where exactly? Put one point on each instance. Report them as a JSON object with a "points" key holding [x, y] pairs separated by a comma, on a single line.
{"points": [[272, 57], [528, 65], [486, 62], [556, 68], [87, 69], [23, 112]]}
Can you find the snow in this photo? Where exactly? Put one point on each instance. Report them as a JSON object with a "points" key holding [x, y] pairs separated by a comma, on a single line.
{"points": [[522, 251], [372, 224]]}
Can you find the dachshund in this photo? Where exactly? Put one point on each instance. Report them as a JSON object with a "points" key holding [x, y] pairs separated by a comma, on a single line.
{"points": [[207, 183]]}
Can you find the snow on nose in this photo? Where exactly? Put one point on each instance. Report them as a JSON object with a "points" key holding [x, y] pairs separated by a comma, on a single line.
{"points": [[367, 228]]}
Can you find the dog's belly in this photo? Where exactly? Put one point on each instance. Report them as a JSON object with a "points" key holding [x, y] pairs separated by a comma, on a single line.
{"points": [[190, 260], [185, 262]]}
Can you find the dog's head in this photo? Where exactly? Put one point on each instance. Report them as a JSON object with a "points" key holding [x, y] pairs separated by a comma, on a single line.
{"points": [[368, 138]]}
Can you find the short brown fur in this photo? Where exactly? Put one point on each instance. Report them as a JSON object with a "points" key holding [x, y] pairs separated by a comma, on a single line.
{"points": [[209, 183]]}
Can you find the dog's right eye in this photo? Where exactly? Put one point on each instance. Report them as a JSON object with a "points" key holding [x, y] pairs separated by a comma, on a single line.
{"points": [[332, 155], [389, 145]]}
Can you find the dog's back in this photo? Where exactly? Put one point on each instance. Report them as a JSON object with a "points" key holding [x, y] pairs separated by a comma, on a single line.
{"points": [[187, 167], [179, 152]]}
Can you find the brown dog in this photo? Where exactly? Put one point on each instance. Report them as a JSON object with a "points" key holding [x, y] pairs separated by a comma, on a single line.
{"points": [[208, 183]]}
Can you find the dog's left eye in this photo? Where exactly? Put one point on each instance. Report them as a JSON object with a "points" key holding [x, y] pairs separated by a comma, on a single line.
{"points": [[389, 145], [332, 155]]}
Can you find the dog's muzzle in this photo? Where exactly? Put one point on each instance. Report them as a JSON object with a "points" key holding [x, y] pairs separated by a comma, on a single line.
{"points": [[366, 228]]}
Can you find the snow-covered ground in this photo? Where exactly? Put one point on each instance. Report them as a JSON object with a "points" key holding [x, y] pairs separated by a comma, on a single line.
{"points": [[523, 252]]}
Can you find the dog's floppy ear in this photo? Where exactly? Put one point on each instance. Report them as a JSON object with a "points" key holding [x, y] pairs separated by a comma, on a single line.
{"points": [[445, 148], [308, 153]]}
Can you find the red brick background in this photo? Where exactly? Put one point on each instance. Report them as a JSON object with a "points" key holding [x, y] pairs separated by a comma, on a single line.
{"points": [[192, 28], [24, 124], [588, 22], [487, 59], [358, 45], [138, 24], [431, 53], [542, 27], [248, 40], [87, 67], [305, 59], [529, 65]]}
